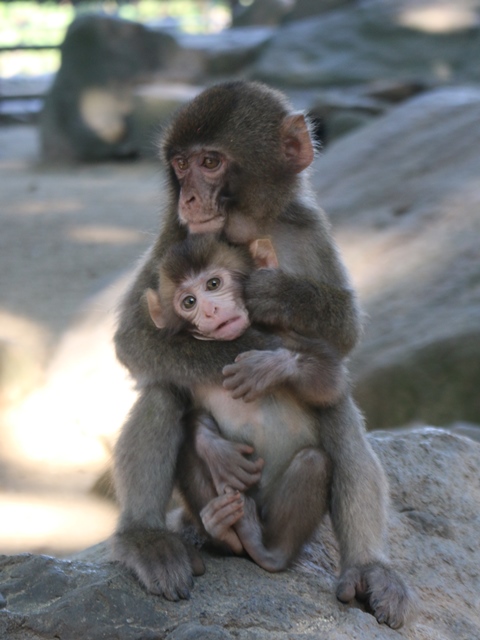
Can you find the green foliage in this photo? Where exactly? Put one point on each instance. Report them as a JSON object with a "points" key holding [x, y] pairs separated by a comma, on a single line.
{"points": [[32, 23]]}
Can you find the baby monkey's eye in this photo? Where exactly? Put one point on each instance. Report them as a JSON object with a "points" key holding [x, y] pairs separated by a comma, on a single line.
{"points": [[189, 302], [214, 283], [211, 162]]}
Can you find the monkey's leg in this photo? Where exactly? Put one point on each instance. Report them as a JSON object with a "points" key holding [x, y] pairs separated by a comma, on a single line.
{"points": [[195, 482], [145, 458], [292, 511], [359, 503]]}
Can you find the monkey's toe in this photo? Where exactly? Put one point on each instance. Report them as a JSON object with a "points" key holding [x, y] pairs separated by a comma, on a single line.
{"points": [[385, 594], [160, 560]]}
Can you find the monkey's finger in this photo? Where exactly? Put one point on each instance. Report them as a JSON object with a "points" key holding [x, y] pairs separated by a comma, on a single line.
{"points": [[244, 355], [252, 394], [230, 370], [244, 449], [251, 466], [221, 501], [234, 381], [216, 522], [241, 391], [247, 478], [347, 585]]}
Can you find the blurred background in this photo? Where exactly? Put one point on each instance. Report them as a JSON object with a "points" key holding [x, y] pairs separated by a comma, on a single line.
{"points": [[393, 89]]}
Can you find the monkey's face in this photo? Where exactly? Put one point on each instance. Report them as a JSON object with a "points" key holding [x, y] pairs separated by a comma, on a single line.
{"points": [[201, 174], [211, 301]]}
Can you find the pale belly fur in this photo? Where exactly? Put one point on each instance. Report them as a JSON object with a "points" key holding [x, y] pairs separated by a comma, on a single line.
{"points": [[276, 426]]}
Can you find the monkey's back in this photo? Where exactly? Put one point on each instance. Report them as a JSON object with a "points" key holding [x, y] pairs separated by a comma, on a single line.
{"points": [[277, 426]]}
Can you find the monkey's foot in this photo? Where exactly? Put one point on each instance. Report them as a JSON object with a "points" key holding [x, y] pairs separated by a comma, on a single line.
{"points": [[219, 516], [160, 560], [382, 590]]}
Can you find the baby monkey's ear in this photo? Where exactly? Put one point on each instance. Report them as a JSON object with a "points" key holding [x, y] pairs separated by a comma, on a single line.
{"points": [[263, 254], [155, 309]]}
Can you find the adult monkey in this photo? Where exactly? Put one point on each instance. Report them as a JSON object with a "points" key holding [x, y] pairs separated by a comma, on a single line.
{"points": [[235, 157]]}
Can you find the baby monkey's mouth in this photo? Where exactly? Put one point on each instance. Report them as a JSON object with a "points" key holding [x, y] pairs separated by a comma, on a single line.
{"points": [[227, 322], [231, 328]]}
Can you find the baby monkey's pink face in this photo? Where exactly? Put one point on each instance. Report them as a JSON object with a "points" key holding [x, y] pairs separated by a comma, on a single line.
{"points": [[212, 303]]}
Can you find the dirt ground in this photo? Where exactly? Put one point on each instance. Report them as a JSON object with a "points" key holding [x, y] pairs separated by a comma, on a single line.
{"points": [[69, 234]]}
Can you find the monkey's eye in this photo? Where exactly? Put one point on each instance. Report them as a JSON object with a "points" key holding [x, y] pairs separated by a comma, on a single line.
{"points": [[214, 283], [181, 164], [211, 162], [189, 302]]}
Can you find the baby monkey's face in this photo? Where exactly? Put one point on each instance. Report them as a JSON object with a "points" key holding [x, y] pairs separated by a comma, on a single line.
{"points": [[212, 302]]}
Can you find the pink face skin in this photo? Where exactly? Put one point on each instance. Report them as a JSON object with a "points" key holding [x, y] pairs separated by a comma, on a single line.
{"points": [[212, 303], [201, 174]]}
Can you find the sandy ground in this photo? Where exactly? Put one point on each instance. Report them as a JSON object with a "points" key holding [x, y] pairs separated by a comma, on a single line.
{"points": [[68, 236]]}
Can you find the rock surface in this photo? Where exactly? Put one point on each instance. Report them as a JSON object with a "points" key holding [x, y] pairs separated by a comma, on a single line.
{"points": [[403, 195], [435, 487], [86, 113], [432, 42]]}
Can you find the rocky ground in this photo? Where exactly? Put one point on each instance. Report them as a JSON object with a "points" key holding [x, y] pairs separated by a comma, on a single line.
{"points": [[67, 235]]}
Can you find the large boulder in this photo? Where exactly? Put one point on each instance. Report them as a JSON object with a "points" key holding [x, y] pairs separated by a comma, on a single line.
{"points": [[87, 111], [404, 196], [434, 542], [431, 43]]}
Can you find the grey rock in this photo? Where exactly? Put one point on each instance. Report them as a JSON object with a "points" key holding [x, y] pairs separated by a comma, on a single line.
{"points": [[434, 521], [308, 8], [403, 196], [87, 110], [260, 12], [218, 54], [466, 429], [374, 41], [193, 631]]}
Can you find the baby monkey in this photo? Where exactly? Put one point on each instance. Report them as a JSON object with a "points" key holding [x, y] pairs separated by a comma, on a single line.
{"points": [[251, 471]]}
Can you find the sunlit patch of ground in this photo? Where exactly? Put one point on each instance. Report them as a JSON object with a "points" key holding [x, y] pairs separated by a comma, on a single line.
{"points": [[51, 523], [69, 235]]}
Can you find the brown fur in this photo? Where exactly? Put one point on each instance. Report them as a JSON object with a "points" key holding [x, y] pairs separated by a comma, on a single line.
{"points": [[263, 192]]}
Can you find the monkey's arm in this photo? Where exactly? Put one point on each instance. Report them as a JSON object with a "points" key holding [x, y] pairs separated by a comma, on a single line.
{"points": [[309, 367], [145, 459], [226, 460], [314, 309]]}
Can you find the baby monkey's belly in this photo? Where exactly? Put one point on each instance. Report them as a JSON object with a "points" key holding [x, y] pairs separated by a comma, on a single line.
{"points": [[276, 426]]}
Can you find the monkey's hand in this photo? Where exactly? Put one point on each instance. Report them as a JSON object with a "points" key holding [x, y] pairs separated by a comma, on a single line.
{"points": [[160, 560], [381, 588], [220, 514], [227, 462], [255, 373]]}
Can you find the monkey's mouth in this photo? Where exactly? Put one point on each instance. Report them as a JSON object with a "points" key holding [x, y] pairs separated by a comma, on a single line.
{"points": [[231, 328], [215, 223]]}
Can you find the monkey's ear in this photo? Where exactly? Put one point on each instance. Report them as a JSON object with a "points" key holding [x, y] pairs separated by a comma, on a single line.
{"points": [[297, 143], [263, 254], [155, 309]]}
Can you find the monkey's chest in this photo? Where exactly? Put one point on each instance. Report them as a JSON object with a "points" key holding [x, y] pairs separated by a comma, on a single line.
{"points": [[276, 426]]}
